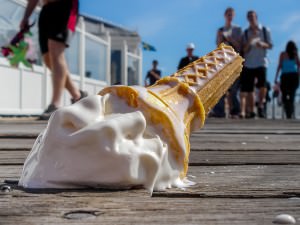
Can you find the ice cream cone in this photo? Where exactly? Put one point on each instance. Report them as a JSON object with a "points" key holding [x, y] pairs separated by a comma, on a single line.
{"points": [[178, 104]]}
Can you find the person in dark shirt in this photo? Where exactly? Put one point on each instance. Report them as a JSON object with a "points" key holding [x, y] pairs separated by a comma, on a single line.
{"points": [[189, 58], [153, 75], [57, 24]]}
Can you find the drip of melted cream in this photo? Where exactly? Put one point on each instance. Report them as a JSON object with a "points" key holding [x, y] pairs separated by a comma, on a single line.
{"points": [[101, 142]]}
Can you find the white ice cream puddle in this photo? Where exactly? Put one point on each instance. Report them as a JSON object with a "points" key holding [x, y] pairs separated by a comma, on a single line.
{"points": [[92, 144]]}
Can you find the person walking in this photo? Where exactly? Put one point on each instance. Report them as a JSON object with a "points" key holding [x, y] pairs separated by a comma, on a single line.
{"points": [[255, 43], [57, 22], [229, 34], [289, 65], [153, 75], [189, 58]]}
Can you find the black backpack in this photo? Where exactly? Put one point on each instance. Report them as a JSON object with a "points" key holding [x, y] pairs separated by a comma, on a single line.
{"points": [[264, 33], [246, 37]]}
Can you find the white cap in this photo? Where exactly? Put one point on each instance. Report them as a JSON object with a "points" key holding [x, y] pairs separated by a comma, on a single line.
{"points": [[190, 46]]}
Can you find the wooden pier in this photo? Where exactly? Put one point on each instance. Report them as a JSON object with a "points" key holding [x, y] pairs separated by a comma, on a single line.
{"points": [[247, 172]]}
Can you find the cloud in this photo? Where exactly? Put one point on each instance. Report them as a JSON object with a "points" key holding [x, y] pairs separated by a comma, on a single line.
{"points": [[290, 22]]}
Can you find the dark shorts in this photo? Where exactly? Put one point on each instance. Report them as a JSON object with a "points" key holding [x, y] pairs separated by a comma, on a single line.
{"points": [[56, 21], [247, 79]]}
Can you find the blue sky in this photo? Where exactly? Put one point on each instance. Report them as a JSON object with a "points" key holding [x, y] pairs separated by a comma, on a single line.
{"points": [[170, 24]]}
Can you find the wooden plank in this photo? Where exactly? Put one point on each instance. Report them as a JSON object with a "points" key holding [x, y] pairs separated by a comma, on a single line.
{"points": [[25, 129], [222, 181], [144, 210], [13, 157], [201, 141], [10, 172], [241, 181], [259, 157], [214, 122], [225, 192], [212, 126], [199, 158], [16, 143]]}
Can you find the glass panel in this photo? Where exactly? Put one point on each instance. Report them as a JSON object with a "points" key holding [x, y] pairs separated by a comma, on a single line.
{"points": [[133, 71], [96, 59], [72, 54], [115, 67], [11, 14]]}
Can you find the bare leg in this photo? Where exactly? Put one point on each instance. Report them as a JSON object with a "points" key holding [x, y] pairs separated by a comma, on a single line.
{"points": [[69, 84], [243, 96], [262, 96], [46, 60], [60, 73]]}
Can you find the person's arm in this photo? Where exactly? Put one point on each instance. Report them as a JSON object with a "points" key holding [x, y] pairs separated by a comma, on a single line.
{"points": [[246, 44], [236, 43], [146, 79], [180, 65], [219, 39], [28, 11], [298, 65], [278, 67], [155, 75], [266, 44]]}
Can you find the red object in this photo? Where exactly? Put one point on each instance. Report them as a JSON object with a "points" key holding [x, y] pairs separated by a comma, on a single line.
{"points": [[73, 16]]}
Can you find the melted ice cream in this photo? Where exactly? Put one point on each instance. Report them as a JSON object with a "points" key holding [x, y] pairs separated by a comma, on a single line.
{"points": [[92, 144]]}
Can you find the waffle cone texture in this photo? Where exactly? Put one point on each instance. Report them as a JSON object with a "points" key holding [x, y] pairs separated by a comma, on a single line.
{"points": [[178, 104]]}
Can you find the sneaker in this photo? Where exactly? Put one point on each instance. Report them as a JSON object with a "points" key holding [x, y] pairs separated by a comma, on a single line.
{"points": [[242, 116], [47, 113], [234, 116], [250, 115], [261, 112], [83, 94]]}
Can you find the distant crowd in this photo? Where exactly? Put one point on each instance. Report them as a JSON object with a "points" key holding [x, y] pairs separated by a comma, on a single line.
{"points": [[251, 90]]}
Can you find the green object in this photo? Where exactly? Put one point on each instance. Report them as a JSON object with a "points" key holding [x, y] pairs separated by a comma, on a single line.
{"points": [[19, 54]]}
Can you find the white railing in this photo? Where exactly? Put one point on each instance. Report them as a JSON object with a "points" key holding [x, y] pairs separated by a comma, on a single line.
{"points": [[26, 91]]}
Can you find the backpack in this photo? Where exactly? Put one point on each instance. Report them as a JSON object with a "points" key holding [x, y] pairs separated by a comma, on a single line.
{"points": [[264, 29], [264, 33]]}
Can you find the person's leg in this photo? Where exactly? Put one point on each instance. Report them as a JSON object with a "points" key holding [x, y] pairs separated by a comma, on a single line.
{"points": [[243, 97], [293, 85], [60, 73], [219, 109], [285, 95], [251, 102], [245, 86], [262, 97], [46, 59], [234, 104], [261, 74]]}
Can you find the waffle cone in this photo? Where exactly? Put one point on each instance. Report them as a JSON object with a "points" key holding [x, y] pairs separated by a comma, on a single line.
{"points": [[178, 104]]}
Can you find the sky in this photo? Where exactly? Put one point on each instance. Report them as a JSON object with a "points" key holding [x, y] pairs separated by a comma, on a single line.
{"points": [[169, 25]]}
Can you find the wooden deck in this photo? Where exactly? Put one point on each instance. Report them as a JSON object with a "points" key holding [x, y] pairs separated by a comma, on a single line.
{"points": [[247, 172]]}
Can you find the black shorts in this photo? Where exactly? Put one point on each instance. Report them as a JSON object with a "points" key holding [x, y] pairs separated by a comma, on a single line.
{"points": [[247, 79], [53, 23]]}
